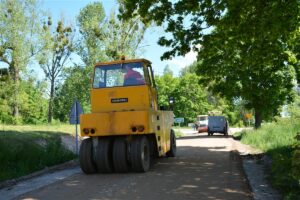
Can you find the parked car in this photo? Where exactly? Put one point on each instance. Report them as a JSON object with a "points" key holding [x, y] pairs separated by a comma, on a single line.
{"points": [[217, 124]]}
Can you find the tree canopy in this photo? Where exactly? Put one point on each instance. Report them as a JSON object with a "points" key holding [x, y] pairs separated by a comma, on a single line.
{"points": [[18, 30], [245, 48]]}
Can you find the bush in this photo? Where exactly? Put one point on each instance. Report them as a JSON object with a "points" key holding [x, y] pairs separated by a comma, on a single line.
{"points": [[279, 141]]}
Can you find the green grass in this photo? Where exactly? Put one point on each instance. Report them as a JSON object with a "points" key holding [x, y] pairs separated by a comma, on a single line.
{"points": [[278, 140], [25, 149], [62, 128], [178, 133], [182, 127]]}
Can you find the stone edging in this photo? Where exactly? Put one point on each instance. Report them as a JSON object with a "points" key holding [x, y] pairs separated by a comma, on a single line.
{"points": [[11, 182]]}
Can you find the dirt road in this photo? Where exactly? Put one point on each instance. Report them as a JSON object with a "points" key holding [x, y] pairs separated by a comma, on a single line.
{"points": [[205, 168]]}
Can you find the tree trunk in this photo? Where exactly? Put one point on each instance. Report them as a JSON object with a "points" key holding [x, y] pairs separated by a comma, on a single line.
{"points": [[50, 108], [258, 119], [16, 81]]}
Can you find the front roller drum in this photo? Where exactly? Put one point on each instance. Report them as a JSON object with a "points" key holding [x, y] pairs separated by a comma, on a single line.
{"points": [[87, 164], [140, 154]]}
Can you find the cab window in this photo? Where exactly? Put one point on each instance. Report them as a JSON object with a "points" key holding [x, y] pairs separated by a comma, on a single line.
{"points": [[117, 75]]}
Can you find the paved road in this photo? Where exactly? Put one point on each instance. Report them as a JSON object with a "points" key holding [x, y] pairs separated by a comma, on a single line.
{"points": [[205, 168]]}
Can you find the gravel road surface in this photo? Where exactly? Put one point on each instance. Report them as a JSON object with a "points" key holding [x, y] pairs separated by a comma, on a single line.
{"points": [[205, 168]]}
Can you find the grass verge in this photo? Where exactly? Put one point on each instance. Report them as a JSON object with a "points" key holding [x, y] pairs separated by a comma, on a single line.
{"points": [[26, 149], [178, 133], [279, 141]]}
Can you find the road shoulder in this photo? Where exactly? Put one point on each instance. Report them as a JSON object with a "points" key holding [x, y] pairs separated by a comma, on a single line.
{"points": [[256, 172], [16, 187]]}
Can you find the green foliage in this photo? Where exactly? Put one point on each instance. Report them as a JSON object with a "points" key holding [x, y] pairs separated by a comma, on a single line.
{"points": [[166, 86], [18, 29], [6, 90], [24, 152], [75, 86], [296, 160], [30, 38], [190, 97], [273, 135], [107, 38], [33, 108], [246, 48], [294, 52], [178, 133], [33, 105], [90, 22], [279, 141], [294, 108], [228, 53], [123, 37]]}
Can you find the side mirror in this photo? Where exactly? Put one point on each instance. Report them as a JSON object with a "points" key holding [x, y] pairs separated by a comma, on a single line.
{"points": [[171, 102]]}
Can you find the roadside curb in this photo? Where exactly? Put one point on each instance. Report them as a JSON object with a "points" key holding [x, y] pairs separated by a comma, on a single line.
{"points": [[235, 156], [12, 182], [255, 173]]}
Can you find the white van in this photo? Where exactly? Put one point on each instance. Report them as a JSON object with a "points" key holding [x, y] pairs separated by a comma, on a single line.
{"points": [[217, 124], [202, 123]]}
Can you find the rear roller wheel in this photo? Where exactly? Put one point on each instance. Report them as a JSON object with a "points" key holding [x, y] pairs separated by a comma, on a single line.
{"points": [[86, 157], [140, 154], [103, 156], [120, 159], [172, 152]]}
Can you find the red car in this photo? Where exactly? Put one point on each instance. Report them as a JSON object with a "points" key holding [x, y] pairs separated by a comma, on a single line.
{"points": [[202, 129]]}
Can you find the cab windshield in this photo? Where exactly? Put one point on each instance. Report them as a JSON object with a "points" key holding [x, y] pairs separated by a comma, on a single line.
{"points": [[116, 75]]}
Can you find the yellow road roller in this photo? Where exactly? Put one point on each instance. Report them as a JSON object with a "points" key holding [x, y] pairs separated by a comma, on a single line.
{"points": [[126, 129]]}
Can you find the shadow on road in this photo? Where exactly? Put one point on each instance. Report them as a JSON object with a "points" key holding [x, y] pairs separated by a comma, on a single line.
{"points": [[196, 173]]}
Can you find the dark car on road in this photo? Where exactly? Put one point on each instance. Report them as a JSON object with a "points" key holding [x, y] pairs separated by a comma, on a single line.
{"points": [[217, 124]]}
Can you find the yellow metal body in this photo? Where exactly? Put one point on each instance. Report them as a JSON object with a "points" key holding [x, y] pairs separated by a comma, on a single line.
{"points": [[139, 115]]}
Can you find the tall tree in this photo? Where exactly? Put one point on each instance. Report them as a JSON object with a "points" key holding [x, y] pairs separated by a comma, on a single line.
{"points": [[123, 37], [59, 45], [108, 38], [246, 56], [91, 27], [18, 32], [243, 45]]}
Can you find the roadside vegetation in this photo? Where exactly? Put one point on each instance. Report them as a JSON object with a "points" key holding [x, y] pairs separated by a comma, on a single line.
{"points": [[26, 149], [281, 141], [178, 133]]}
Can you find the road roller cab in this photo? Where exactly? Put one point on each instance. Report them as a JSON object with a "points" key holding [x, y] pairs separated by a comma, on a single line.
{"points": [[125, 129]]}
